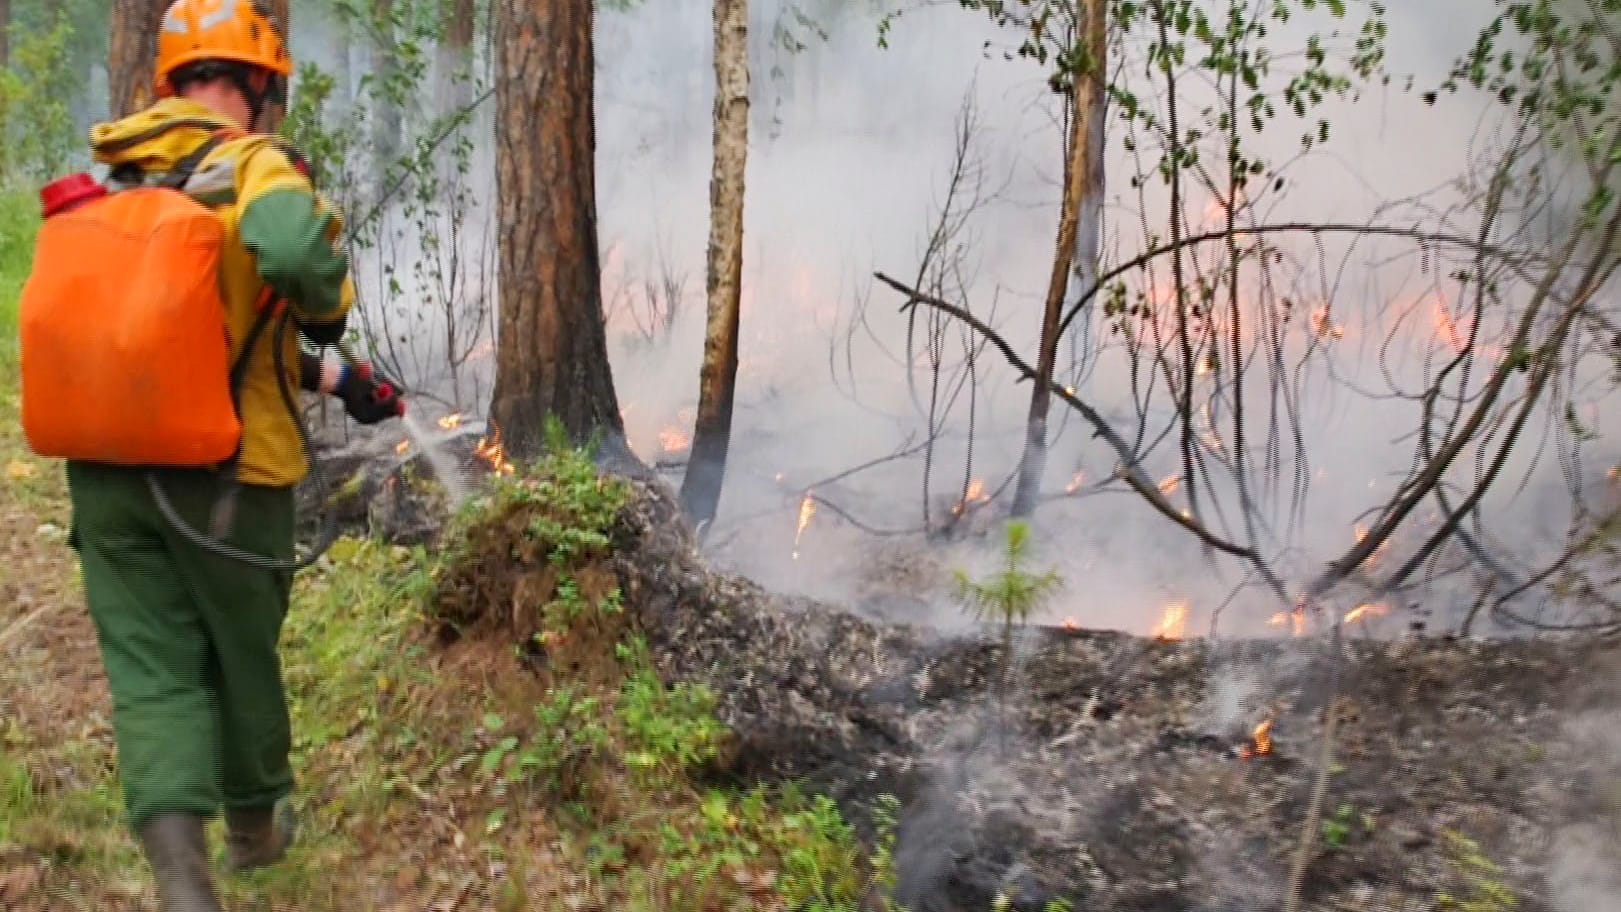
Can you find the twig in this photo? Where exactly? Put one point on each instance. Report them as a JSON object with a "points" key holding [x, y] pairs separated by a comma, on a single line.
{"points": [[1129, 470], [1319, 791], [18, 626]]}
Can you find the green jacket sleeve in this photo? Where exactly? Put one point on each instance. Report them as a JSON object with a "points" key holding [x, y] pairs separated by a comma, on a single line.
{"points": [[287, 232]]}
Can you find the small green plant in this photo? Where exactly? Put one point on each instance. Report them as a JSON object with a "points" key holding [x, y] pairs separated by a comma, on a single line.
{"points": [[1336, 830], [1483, 887], [667, 729], [1009, 596]]}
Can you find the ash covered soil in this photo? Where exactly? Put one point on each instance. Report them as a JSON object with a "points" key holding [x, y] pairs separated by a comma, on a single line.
{"points": [[1122, 773]]}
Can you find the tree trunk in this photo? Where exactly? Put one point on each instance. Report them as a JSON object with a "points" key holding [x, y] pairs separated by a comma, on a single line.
{"points": [[275, 114], [385, 134], [1085, 102], [552, 356], [455, 59], [717, 379], [132, 48]]}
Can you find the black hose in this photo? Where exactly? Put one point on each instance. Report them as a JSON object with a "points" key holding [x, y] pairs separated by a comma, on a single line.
{"points": [[329, 530]]}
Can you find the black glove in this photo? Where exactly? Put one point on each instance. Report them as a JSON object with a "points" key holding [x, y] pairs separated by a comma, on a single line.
{"points": [[368, 396]]}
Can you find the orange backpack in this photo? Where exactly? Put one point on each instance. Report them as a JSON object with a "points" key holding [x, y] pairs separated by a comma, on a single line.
{"points": [[124, 350]]}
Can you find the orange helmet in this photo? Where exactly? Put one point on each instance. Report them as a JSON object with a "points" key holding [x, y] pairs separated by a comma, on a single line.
{"points": [[236, 31]]}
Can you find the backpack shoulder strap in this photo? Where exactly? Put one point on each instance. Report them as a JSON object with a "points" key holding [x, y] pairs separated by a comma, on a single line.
{"points": [[181, 173]]}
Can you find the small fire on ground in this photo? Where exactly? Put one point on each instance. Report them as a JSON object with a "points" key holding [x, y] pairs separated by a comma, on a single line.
{"points": [[973, 496], [807, 509], [674, 440], [1173, 623], [1260, 743], [491, 450], [451, 422]]}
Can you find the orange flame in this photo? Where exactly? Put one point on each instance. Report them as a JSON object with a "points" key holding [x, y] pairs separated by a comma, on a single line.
{"points": [[1260, 742], [807, 509], [1075, 483], [1169, 484], [1173, 624], [1362, 611], [401, 447], [1322, 326], [673, 440], [1295, 619], [1071, 624], [491, 450], [451, 422], [974, 495], [1360, 532]]}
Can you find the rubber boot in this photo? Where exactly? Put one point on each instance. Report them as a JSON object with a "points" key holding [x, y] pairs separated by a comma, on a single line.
{"points": [[257, 837], [177, 850]]}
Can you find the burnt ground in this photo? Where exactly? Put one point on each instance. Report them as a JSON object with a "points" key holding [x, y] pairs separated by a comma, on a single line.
{"points": [[1111, 774], [1115, 773]]}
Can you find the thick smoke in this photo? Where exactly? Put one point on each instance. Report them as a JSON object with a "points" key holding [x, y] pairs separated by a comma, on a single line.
{"points": [[851, 150]]}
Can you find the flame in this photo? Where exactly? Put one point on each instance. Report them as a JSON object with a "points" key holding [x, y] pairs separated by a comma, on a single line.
{"points": [[975, 494], [401, 447], [1295, 619], [493, 452], [1173, 624], [1075, 483], [451, 422], [1322, 326], [1446, 328], [673, 440], [807, 509], [1362, 611], [1260, 742], [1071, 624], [1360, 533], [1169, 484]]}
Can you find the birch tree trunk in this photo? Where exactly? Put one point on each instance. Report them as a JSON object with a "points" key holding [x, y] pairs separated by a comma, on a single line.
{"points": [[552, 354], [1085, 103], [717, 379], [385, 133], [132, 49]]}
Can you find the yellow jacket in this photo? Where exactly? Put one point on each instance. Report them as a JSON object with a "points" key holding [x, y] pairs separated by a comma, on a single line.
{"points": [[279, 232]]}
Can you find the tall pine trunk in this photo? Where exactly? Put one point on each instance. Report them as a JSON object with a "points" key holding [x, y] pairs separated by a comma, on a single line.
{"points": [[1086, 103], [717, 380], [132, 49], [552, 353]]}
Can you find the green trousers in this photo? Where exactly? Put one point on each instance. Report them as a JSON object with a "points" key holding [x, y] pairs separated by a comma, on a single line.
{"points": [[188, 640]]}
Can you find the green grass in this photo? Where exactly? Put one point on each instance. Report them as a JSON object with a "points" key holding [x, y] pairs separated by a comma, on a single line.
{"points": [[18, 219]]}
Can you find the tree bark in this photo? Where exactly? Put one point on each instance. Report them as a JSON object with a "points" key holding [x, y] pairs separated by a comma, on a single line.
{"points": [[717, 379], [552, 354], [132, 48], [1085, 104], [275, 114]]}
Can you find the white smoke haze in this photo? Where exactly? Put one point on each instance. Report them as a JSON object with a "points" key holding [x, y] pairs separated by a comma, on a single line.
{"points": [[851, 148]]}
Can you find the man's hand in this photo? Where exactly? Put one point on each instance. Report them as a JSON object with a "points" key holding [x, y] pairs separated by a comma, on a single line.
{"points": [[368, 396]]}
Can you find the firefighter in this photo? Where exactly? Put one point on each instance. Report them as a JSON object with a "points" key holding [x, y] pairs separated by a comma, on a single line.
{"points": [[188, 637]]}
